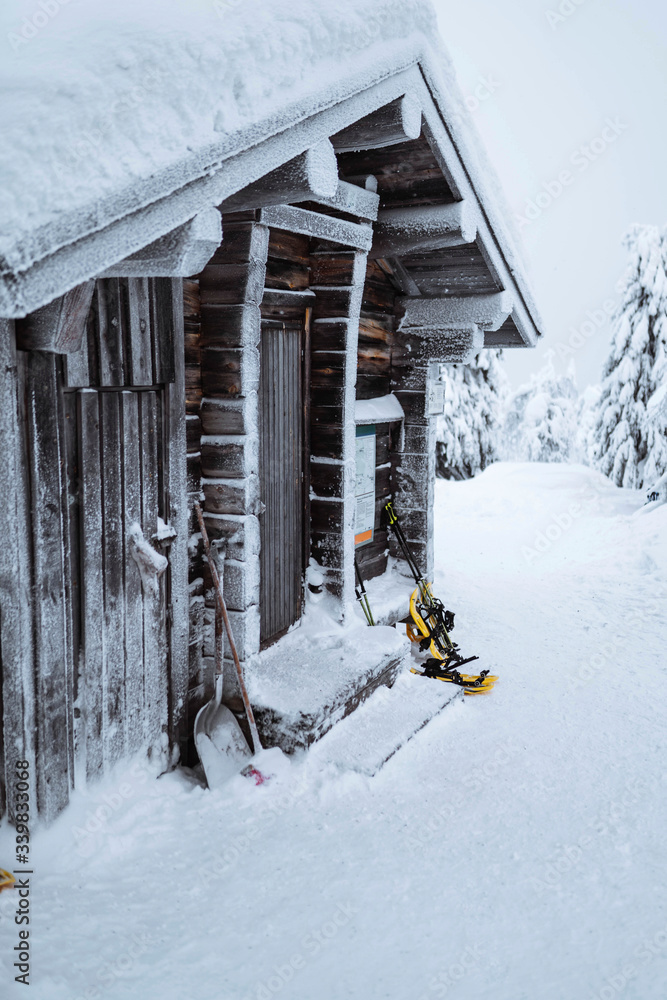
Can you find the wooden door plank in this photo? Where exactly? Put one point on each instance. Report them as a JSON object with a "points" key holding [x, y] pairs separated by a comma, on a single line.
{"points": [[177, 514], [114, 596], [134, 618], [91, 677], [69, 422], [163, 330], [139, 363], [53, 711], [110, 332], [154, 667], [16, 625]]}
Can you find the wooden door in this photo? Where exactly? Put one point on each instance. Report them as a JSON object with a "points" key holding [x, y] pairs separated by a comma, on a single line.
{"points": [[281, 469], [106, 452]]}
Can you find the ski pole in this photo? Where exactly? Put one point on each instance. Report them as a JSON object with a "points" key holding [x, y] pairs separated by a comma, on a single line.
{"points": [[414, 569], [362, 596]]}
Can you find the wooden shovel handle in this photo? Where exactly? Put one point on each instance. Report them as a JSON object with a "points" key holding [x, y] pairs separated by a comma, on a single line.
{"points": [[257, 746]]}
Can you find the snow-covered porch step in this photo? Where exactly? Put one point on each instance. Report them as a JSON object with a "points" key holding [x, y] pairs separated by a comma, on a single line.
{"points": [[367, 739], [314, 677]]}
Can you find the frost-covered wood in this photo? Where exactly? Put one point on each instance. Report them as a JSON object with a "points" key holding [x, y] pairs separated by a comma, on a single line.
{"points": [[387, 126], [182, 252], [54, 709], [415, 230], [16, 628], [326, 227], [307, 176], [488, 312], [352, 199], [58, 327]]}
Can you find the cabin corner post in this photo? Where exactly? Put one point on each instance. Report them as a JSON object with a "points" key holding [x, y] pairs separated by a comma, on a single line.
{"points": [[413, 465], [231, 290], [338, 283], [17, 691], [416, 354]]}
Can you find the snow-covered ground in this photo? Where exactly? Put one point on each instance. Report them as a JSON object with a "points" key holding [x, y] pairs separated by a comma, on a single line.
{"points": [[513, 850]]}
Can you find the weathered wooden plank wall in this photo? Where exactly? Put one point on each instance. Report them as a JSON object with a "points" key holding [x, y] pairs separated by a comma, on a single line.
{"points": [[17, 688], [101, 436]]}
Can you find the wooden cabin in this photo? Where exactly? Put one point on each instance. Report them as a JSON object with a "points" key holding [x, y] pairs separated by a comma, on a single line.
{"points": [[240, 339]]}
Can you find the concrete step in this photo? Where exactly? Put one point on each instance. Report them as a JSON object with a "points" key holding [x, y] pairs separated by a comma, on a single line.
{"points": [[365, 740]]}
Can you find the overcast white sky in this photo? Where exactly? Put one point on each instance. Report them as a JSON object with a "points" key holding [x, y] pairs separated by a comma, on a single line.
{"points": [[554, 86]]}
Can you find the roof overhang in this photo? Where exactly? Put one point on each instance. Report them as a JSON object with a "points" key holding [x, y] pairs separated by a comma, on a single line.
{"points": [[50, 263]]}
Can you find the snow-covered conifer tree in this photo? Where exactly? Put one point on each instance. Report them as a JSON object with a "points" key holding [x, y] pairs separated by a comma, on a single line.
{"points": [[467, 432], [626, 444], [540, 420]]}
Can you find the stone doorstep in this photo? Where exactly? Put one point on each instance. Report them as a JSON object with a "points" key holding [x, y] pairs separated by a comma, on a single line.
{"points": [[299, 730], [365, 741]]}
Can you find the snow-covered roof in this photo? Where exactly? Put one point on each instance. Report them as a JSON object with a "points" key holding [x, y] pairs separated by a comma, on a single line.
{"points": [[111, 109]]}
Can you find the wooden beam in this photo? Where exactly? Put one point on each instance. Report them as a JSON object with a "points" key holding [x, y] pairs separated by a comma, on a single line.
{"points": [[309, 175], [488, 312], [352, 199], [387, 126], [58, 327], [179, 254], [508, 335], [394, 268], [325, 227], [423, 228]]}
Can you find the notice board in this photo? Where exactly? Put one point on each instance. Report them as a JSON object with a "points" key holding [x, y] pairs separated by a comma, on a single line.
{"points": [[365, 486]]}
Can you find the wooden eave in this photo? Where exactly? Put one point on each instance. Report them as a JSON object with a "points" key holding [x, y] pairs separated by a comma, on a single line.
{"points": [[418, 171]]}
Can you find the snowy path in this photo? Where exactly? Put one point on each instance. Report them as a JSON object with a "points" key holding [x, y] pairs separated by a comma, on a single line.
{"points": [[514, 850]]}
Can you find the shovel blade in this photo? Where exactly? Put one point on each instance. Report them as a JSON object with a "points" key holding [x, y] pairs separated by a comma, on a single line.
{"points": [[221, 745]]}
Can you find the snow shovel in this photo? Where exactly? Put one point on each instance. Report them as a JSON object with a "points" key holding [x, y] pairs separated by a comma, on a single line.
{"points": [[221, 745]]}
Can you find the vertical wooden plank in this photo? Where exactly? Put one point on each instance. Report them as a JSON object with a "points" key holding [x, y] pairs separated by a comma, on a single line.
{"points": [[152, 604], [91, 668], [114, 596], [162, 327], [133, 611], [17, 673], [139, 363], [110, 332], [77, 365], [69, 421], [53, 711], [305, 459], [177, 514]]}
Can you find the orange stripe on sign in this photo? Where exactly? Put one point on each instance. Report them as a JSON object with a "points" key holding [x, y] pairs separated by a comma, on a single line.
{"points": [[365, 536]]}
